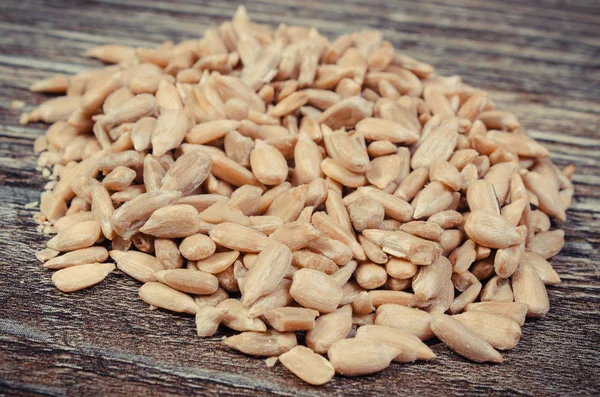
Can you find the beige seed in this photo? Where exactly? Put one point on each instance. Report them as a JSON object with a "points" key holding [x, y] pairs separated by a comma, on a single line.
{"points": [[190, 281], [131, 216], [316, 290], [296, 235], [82, 276], [384, 170], [280, 297], [497, 289], [138, 265], [513, 212], [446, 173], [529, 289], [165, 297], [211, 300], [317, 193], [308, 159], [430, 279], [265, 224], [405, 246], [47, 254], [412, 184], [102, 210], [246, 199], [238, 237], [380, 129], [355, 357], [411, 347], [460, 339], [230, 171], [329, 328], [308, 366], [426, 230], [56, 84], [541, 265], [310, 260], [77, 257], [197, 247], [435, 197], [223, 211], [218, 262], [344, 273], [469, 287], [499, 331], [269, 343], [463, 257], [513, 310], [372, 251], [335, 250], [540, 222], [436, 146], [290, 319], [370, 275], [173, 221], [491, 230], [119, 179], [400, 268], [208, 319], [187, 173], [450, 240], [414, 321], [289, 204], [130, 111], [336, 170], [266, 273], [547, 244], [78, 236], [238, 147], [268, 164], [167, 253], [346, 113], [289, 104], [330, 228], [141, 134], [237, 317], [394, 206], [334, 206]]}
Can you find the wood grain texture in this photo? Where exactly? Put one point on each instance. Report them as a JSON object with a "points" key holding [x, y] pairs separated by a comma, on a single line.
{"points": [[540, 60]]}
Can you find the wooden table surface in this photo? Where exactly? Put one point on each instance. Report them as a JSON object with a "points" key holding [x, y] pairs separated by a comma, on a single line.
{"points": [[540, 60]]}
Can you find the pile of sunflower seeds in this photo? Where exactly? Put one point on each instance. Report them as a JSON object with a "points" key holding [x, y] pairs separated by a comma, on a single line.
{"points": [[275, 183]]}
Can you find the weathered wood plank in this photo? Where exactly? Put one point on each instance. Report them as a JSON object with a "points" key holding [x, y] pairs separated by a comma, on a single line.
{"points": [[538, 59]]}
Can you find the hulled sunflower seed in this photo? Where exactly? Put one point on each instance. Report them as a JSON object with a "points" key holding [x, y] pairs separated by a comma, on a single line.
{"points": [[82, 276], [289, 319], [138, 265], [499, 331], [460, 339], [329, 328], [316, 290], [78, 236], [355, 357], [267, 271], [77, 257], [189, 281], [411, 347], [307, 365], [268, 343], [529, 289], [208, 319], [160, 295], [414, 321]]}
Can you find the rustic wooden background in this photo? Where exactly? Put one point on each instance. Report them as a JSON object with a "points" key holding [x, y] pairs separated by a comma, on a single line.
{"points": [[539, 59]]}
